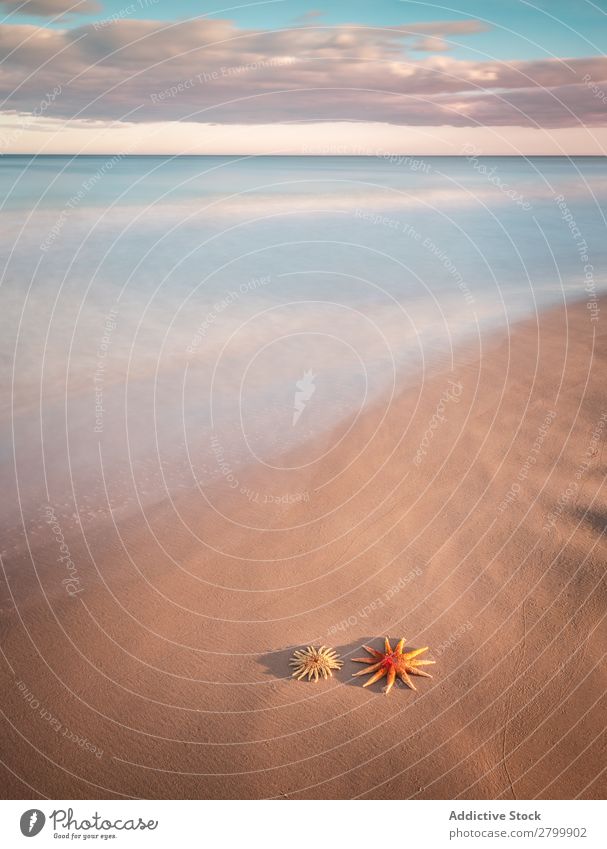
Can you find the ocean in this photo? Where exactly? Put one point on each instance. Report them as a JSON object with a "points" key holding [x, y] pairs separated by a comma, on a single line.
{"points": [[169, 321]]}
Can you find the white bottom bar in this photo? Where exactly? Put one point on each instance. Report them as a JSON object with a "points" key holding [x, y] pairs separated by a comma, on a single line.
{"points": [[301, 824]]}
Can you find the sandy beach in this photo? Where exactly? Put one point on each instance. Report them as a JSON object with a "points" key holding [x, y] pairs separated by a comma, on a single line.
{"points": [[466, 513]]}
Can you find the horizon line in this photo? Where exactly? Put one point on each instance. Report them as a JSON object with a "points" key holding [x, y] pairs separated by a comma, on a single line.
{"points": [[321, 155]]}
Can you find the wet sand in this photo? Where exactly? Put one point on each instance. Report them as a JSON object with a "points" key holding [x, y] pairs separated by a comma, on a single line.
{"points": [[466, 514]]}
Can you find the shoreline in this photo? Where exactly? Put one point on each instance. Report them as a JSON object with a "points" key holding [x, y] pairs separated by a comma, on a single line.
{"points": [[172, 657]]}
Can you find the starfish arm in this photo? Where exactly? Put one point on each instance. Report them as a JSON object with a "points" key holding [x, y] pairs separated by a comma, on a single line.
{"points": [[411, 654], [391, 679], [367, 671], [364, 660], [379, 674], [423, 663], [413, 671], [387, 646], [372, 651], [405, 678], [400, 646]]}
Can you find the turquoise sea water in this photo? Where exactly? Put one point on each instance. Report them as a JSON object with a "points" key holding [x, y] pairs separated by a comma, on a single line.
{"points": [[152, 302]]}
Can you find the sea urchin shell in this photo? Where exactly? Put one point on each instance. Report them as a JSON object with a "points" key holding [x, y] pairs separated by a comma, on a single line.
{"points": [[393, 662], [314, 662]]}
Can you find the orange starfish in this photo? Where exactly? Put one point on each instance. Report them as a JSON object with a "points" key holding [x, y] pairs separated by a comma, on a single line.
{"points": [[393, 662]]}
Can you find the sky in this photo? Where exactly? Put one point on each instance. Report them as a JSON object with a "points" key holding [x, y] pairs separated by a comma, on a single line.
{"points": [[290, 76]]}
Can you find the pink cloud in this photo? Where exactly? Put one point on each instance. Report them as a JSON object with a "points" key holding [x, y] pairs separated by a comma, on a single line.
{"points": [[49, 8], [211, 71]]}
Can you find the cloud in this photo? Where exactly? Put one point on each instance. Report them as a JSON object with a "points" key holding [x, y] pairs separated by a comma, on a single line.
{"points": [[210, 71], [49, 8], [432, 43], [307, 18]]}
